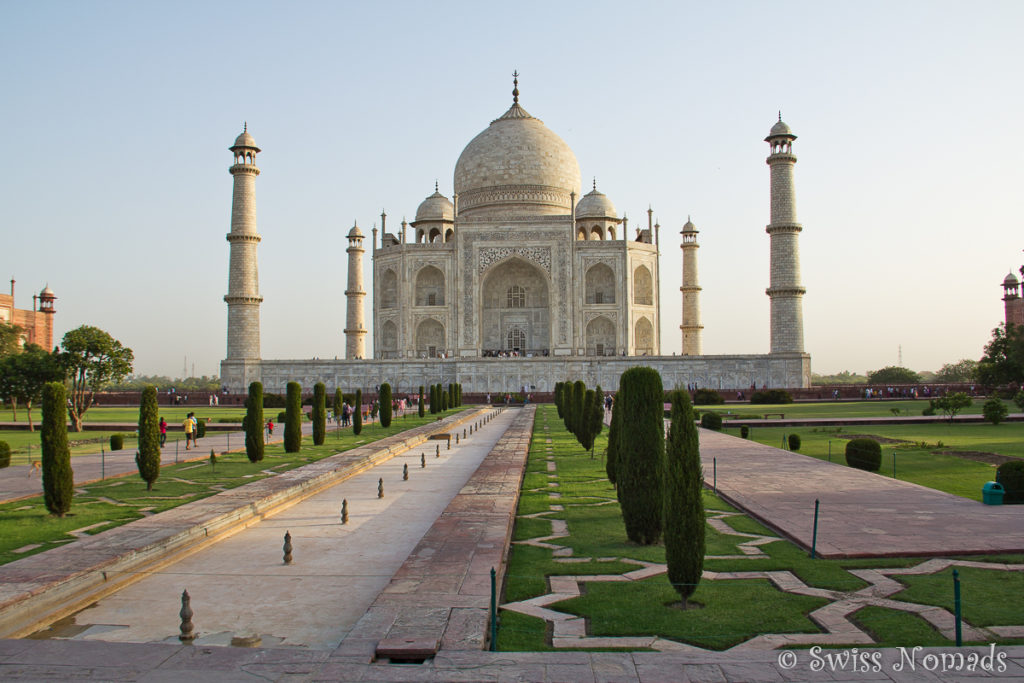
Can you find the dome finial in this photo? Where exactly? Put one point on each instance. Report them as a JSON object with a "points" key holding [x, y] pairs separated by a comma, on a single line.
{"points": [[245, 126], [595, 183], [515, 87], [435, 187], [780, 115]]}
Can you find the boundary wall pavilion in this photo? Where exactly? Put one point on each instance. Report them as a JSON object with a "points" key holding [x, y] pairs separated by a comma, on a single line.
{"points": [[494, 375]]}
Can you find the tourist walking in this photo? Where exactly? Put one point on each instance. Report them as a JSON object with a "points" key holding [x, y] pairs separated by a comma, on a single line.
{"points": [[187, 426], [163, 432]]}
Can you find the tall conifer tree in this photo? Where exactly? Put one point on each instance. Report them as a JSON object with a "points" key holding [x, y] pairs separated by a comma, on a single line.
{"points": [[148, 457], [684, 507], [641, 453]]}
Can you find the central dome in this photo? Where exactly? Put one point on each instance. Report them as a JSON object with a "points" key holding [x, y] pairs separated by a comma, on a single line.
{"points": [[516, 166]]}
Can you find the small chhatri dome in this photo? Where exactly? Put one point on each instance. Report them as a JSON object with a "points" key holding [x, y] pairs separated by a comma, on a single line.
{"points": [[689, 226], [1011, 279], [595, 204], [47, 293], [436, 207], [355, 231], [245, 140], [780, 129]]}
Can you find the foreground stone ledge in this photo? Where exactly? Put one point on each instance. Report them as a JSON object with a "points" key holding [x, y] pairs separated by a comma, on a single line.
{"points": [[53, 584]]}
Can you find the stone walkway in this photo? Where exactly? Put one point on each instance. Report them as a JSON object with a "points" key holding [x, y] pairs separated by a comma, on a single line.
{"points": [[862, 514]]}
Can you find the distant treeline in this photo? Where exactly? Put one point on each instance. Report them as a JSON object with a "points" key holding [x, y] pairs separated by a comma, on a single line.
{"points": [[162, 383]]}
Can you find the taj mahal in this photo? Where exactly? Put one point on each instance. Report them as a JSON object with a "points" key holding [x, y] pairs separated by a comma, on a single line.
{"points": [[518, 281]]}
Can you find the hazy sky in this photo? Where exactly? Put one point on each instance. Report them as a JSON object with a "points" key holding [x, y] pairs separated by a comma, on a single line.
{"points": [[117, 116]]}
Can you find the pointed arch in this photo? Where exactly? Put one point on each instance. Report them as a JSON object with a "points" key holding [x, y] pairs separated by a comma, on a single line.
{"points": [[644, 337], [430, 287], [599, 284], [643, 287], [389, 289]]}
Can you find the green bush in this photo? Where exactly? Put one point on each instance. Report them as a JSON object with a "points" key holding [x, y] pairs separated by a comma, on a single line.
{"points": [[995, 411], [707, 397], [771, 396], [273, 401], [148, 456], [794, 442], [385, 405], [200, 428], [357, 415], [282, 417], [339, 401], [864, 454], [1011, 476], [930, 410], [421, 409], [254, 446], [641, 453], [293, 418], [745, 432], [711, 420], [559, 389], [683, 505], [116, 442], [319, 413], [58, 479], [5, 454]]}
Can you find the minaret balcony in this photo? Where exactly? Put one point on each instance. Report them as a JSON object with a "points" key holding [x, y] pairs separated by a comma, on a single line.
{"points": [[243, 237]]}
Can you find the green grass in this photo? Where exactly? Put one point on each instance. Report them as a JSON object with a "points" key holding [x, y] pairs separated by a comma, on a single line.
{"points": [[173, 414], [733, 610], [117, 501], [842, 409], [924, 466]]}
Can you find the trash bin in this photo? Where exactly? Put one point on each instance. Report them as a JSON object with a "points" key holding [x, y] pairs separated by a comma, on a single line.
{"points": [[992, 493]]}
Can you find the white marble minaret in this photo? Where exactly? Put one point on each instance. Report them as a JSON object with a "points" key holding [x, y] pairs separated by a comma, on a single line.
{"points": [[784, 287], [355, 328], [243, 297], [691, 326]]}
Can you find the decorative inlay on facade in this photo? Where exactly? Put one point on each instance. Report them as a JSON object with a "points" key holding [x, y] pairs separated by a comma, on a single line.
{"points": [[612, 315], [488, 256]]}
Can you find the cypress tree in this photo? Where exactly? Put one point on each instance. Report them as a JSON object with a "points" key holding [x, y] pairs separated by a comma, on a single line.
{"points": [[357, 416], [444, 397], [596, 418], [586, 437], [568, 401], [293, 418], [58, 479], [420, 410], [558, 397], [683, 508], [611, 463], [579, 395], [641, 453], [148, 457], [451, 396], [433, 399], [319, 413], [385, 405], [338, 401], [254, 423]]}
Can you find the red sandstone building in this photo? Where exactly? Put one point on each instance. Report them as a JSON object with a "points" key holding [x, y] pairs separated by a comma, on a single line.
{"points": [[36, 324]]}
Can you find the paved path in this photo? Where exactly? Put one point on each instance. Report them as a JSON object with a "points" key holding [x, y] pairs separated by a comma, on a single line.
{"points": [[862, 514], [241, 588]]}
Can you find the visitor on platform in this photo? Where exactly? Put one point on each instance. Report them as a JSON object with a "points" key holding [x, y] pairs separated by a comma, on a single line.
{"points": [[163, 432]]}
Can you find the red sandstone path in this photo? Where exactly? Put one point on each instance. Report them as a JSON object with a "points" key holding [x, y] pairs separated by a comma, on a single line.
{"points": [[862, 514]]}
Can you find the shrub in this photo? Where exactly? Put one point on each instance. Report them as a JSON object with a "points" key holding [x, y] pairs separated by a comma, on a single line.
{"points": [[995, 411], [864, 454], [596, 417], [794, 442], [612, 457], [282, 417], [641, 453], [273, 401], [930, 410], [58, 479], [711, 420], [339, 400], [148, 457], [254, 446], [421, 410], [357, 416], [385, 405], [951, 404], [559, 390], [1018, 399], [745, 432], [293, 418], [116, 442], [707, 397], [771, 396], [319, 413], [1011, 476], [5, 454], [579, 408], [200, 428], [683, 507]]}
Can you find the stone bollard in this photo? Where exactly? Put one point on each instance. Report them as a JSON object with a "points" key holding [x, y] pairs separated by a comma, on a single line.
{"points": [[423, 459], [463, 432], [344, 511], [380, 488], [437, 450], [187, 634], [287, 547], [450, 442], [456, 440], [405, 472]]}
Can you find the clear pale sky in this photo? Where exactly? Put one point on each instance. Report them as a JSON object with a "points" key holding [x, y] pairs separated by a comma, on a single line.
{"points": [[117, 117]]}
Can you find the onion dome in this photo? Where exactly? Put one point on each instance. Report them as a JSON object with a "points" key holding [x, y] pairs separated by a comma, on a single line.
{"points": [[244, 140], [1010, 280], [780, 130], [688, 226], [355, 232], [47, 293], [436, 207], [516, 166], [595, 204]]}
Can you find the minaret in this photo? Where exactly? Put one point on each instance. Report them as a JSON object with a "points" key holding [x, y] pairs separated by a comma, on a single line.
{"points": [[691, 326], [243, 297], [355, 330], [784, 288]]}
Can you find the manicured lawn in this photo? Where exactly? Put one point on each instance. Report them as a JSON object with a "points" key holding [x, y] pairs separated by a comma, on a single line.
{"points": [[731, 610], [919, 458], [113, 502], [841, 409], [173, 414]]}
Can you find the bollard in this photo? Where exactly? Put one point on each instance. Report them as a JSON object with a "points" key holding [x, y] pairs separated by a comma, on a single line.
{"points": [[463, 433], [405, 472], [187, 634], [437, 450], [287, 547], [423, 460], [456, 441], [344, 511], [450, 442], [956, 608], [714, 480], [814, 535], [380, 488], [494, 610]]}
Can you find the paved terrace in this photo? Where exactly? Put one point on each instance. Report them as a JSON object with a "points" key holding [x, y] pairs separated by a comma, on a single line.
{"points": [[862, 514]]}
